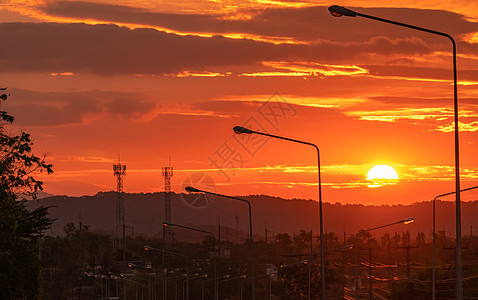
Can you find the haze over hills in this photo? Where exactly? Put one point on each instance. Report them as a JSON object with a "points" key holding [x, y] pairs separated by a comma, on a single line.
{"points": [[145, 213]]}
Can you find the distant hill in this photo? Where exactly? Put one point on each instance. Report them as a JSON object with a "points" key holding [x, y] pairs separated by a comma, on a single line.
{"points": [[40, 195], [145, 212]]}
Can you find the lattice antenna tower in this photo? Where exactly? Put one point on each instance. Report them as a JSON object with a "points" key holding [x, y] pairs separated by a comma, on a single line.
{"points": [[119, 171], [167, 174]]}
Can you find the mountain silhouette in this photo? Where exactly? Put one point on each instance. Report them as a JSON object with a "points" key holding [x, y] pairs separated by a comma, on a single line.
{"points": [[144, 212]]}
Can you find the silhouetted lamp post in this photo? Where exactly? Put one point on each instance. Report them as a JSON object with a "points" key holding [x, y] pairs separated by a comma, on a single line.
{"points": [[241, 130], [149, 248], [214, 251], [303, 262], [404, 221], [434, 234], [237, 277], [309, 263], [195, 190], [338, 11]]}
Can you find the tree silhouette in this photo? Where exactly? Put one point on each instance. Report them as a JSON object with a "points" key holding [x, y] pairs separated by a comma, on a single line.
{"points": [[19, 227]]}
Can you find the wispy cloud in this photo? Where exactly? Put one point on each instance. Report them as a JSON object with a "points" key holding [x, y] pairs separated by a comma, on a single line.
{"points": [[85, 159], [437, 115], [199, 74], [316, 69], [471, 127], [394, 115]]}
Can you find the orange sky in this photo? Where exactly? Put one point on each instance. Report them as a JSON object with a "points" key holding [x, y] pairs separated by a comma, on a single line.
{"points": [[149, 80]]}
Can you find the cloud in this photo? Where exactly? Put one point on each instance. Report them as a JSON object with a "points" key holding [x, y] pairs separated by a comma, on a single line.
{"points": [[60, 108], [130, 105], [113, 50], [300, 24], [471, 127], [404, 113], [226, 107], [420, 72]]}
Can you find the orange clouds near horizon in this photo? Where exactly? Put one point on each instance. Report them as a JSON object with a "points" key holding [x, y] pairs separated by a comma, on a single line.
{"points": [[91, 80]]}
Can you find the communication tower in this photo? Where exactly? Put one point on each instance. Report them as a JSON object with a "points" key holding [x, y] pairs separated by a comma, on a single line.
{"points": [[119, 171], [167, 174]]}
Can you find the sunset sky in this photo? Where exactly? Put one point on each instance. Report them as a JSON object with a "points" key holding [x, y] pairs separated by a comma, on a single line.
{"points": [[151, 81]]}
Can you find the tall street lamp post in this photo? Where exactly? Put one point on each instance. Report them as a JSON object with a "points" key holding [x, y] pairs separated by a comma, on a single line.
{"points": [[214, 251], [338, 11], [195, 190], [241, 277], [303, 262], [434, 234], [176, 279], [404, 221], [242, 130], [149, 248], [204, 284], [315, 253]]}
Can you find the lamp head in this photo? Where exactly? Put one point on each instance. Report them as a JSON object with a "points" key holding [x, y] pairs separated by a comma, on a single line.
{"points": [[165, 224], [190, 189], [241, 130], [338, 11], [147, 248], [408, 220]]}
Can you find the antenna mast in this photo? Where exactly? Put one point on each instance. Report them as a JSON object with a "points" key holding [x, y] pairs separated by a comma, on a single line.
{"points": [[119, 171], [167, 174]]}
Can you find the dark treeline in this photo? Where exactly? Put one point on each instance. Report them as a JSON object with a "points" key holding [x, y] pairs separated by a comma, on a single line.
{"points": [[81, 264]]}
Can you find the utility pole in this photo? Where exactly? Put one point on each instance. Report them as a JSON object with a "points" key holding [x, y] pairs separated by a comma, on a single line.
{"points": [[218, 236], [309, 288], [407, 247], [164, 271], [370, 285], [343, 267], [266, 239], [471, 236], [237, 228], [265, 233]]}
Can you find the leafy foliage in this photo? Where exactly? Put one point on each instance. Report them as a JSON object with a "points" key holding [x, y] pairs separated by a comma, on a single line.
{"points": [[17, 164], [19, 227]]}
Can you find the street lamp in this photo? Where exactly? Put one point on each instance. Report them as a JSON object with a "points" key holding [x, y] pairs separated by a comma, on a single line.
{"points": [[309, 266], [195, 276], [241, 277], [151, 284], [315, 253], [149, 248], [195, 190], [177, 278], [434, 251], [338, 11], [214, 251], [138, 281], [404, 221], [241, 130], [204, 283]]}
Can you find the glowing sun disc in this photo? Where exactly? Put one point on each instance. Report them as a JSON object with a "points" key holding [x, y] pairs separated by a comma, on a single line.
{"points": [[380, 172]]}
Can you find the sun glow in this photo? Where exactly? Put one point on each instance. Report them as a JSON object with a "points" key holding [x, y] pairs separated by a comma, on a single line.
{"points": [[380, 175]]}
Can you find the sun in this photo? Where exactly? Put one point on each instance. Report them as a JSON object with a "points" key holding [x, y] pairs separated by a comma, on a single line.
{"points": [[382, 172], [380, 175]]}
